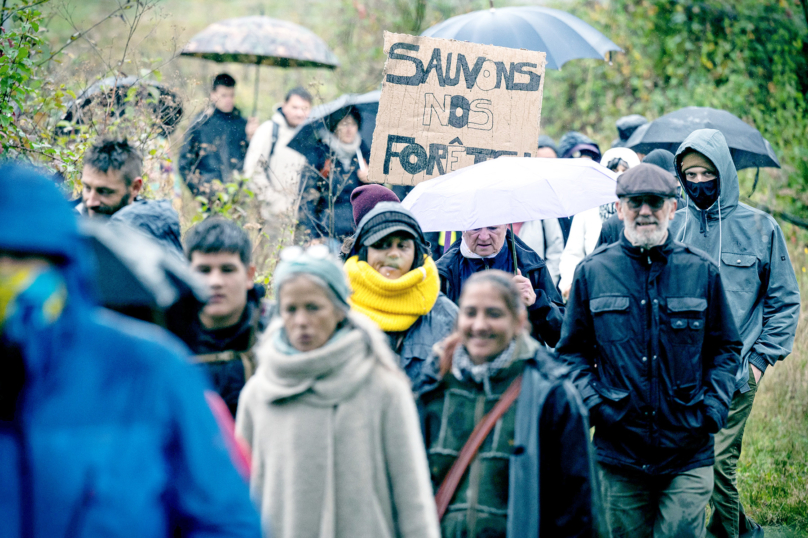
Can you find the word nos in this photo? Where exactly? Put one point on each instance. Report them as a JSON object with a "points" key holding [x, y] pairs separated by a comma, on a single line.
{"points": [[439, 90], [415, 159], [493, 74]]}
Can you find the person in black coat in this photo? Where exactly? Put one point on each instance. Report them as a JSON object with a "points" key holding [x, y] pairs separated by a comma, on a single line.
{"points": [[337, 167], [492, 248], [216, 142], [654, 350], [223, 336]]}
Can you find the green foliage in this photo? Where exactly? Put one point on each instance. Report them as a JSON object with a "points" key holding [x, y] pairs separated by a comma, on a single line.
{"points": [[743, 56]]}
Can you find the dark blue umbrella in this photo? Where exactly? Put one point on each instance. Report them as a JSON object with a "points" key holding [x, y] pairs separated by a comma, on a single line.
{"points": [[748, 147], [562, 36], [307, 140]]}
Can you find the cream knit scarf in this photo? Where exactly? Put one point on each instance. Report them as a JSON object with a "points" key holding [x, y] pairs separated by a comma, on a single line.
{"points": [[342, 151], [393, 304], [323, 378]]}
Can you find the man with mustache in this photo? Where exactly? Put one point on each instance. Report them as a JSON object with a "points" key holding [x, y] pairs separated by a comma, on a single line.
{"points": [[654, 349], [111, 178]]}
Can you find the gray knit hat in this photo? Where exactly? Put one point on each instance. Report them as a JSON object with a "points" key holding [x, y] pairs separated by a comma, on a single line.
{"points": [[384, 219]]}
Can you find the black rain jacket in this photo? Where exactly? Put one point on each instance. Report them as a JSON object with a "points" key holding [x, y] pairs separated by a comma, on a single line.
{"points": [[654, 347]]}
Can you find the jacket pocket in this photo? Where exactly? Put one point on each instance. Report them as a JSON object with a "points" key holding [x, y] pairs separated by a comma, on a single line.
{"points": [[686, 404], [687, 320], [611, 318], [616, 402], [739, 272]]}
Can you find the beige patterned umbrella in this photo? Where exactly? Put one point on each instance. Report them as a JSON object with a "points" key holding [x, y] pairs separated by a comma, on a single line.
{"points": [[261, 40]]}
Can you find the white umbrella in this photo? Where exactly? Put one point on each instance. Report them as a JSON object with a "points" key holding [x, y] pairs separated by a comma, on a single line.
{"points": [[508, 190]]}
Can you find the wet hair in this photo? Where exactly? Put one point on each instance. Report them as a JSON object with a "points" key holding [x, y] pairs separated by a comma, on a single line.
{"points": [[117, 155], [217, 234], [301, 92], [223, 79], [503, 283], [420, 250]]}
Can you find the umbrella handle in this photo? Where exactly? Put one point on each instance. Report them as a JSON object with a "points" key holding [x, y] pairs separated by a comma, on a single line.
{"points": [[513, 247], [255, 90]]}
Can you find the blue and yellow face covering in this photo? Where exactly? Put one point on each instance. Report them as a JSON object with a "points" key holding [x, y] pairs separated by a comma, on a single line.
{"points": [[32, 296]]}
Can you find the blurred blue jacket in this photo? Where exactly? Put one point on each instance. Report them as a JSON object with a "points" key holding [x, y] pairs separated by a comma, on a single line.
{"points": [[110, 434]]}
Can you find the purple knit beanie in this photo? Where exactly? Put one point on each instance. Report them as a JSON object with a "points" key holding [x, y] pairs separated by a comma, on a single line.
{"points": [[365, 198]]}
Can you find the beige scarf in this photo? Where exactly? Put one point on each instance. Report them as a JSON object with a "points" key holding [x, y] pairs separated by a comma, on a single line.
{"points": [[325, 377]]}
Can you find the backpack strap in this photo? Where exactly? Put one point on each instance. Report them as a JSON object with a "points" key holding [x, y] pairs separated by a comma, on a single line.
{"points": [[275, 129], [447, 489]]}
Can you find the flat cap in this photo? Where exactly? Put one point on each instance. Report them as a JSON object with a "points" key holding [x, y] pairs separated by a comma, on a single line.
{"points": [[646, 179]]}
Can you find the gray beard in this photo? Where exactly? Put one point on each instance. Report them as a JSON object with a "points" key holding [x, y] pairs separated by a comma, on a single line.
{"points": [[644, 240]]}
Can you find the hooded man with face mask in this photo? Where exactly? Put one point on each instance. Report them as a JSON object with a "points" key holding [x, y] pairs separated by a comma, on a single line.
{"points": [[762, 292]]}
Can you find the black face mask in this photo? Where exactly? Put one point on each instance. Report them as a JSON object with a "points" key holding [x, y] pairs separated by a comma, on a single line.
{"points": [[703, 194]]}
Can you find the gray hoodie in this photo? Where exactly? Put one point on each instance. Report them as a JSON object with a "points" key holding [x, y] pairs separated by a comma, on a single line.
{"points": [[755, 267]]}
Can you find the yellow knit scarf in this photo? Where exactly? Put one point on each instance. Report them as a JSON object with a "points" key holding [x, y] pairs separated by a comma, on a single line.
{"points": [[393, 304]]}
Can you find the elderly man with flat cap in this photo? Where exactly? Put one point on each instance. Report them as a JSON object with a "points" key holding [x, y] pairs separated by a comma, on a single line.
{"points": [[654, 350]]}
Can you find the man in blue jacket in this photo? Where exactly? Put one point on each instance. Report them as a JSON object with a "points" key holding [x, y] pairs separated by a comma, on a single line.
{"points": [[104, 429], [750, 250]]}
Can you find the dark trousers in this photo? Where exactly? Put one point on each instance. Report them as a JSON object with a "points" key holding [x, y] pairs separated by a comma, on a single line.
{"points": [[728, 518], [667, 506]]}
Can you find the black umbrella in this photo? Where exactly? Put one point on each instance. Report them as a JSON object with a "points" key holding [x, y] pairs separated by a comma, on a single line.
{"points": [[748, 147], [138, 277], [113, 95], [562, 36], [307, 140]]}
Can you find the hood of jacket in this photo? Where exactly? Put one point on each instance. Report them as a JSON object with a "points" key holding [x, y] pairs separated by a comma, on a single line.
{"points": [[712, 144], [752, 255], [156, 218], [38, 221]]}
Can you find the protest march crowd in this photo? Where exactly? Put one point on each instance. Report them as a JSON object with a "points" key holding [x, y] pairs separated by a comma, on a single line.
{"points": [[398, 382]]}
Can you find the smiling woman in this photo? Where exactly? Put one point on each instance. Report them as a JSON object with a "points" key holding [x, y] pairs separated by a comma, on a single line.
{"points": [[539, 446]]}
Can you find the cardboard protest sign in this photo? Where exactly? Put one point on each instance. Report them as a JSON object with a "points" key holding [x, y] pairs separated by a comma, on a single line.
{"points": [[449, 104]]}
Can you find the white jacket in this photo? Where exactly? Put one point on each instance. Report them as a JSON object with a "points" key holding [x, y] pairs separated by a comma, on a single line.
{"points": [[280, 191], [583, 238]]}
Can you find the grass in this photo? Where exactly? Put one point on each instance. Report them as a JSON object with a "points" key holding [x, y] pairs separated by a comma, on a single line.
{"points": [[773, 468]]}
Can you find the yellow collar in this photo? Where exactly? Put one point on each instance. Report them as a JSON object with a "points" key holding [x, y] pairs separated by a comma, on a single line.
{"points": [[393, 304]]}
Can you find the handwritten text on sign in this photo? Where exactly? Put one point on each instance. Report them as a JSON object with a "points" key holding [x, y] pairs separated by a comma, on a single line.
{"points": [[448, 104]]}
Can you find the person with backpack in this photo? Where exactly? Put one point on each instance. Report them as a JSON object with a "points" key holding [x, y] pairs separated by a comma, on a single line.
{"points": [[274, 168], [506, 432]]}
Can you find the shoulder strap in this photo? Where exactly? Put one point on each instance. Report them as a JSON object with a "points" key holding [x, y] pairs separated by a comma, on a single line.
{"points": [[481, 430], [275, 129]]}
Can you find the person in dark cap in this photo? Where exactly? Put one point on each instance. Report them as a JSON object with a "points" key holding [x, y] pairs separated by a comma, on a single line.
{"points": [[395, 283], [547, 148], [612, 229], [653, 349], [575, 145], [626, 127]]}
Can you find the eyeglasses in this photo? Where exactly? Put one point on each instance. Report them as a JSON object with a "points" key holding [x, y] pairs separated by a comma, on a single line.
{"points": [[318, 252], [653, 201]]}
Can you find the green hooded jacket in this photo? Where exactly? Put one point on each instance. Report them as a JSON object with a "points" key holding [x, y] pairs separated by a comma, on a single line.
{"points": [[755, 267]]}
